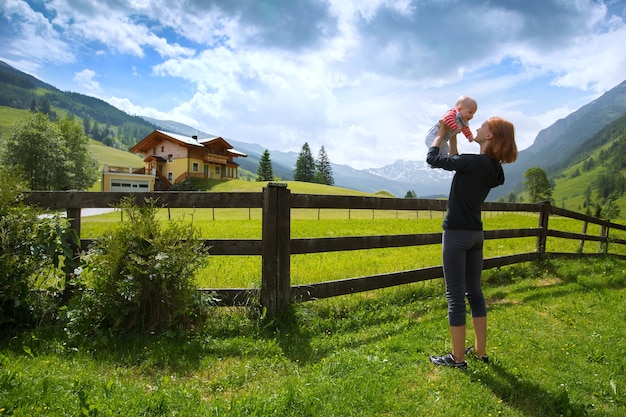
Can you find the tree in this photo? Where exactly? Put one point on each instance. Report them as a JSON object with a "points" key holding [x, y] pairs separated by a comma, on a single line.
{"points": [[305, 165], [587, 201], [87, 124], [610, 210], [265, 172], [51, 156], [35, 147], [539, 188], [45, 108], [82, 167], [610, 185], [512, 198], [410, 194], [324, 169]]}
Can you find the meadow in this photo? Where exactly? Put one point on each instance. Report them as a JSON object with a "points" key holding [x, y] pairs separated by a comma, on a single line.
{"points": [[556, 342], [245, 272]]}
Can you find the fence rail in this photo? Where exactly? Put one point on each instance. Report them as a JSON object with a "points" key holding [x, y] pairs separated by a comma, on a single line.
{"points": [[276, 245]]}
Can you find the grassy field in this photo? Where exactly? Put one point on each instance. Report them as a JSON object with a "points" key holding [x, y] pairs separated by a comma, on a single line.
{"points": [[556, 346], [556, 341], [114, 157], [245, 271]]}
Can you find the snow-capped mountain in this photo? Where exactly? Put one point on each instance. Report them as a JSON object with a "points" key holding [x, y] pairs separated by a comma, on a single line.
{"points": [[411, 171]]}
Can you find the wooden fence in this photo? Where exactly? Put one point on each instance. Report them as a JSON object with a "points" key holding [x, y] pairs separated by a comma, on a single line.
{"points": [[276, 245]]}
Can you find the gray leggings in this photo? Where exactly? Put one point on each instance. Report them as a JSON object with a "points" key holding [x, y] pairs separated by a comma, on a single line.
{"points": [[462, 267]]}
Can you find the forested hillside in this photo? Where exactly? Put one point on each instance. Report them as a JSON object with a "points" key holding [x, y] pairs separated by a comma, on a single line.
{"points": [[593, 180], [556, 146], [101, 121]]}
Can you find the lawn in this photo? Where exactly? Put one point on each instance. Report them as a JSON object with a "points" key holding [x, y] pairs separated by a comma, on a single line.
{"points": [[244, 272], [556, 345]]}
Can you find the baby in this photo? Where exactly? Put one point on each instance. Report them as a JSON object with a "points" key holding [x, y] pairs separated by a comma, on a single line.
{"points": [[457, 119]]}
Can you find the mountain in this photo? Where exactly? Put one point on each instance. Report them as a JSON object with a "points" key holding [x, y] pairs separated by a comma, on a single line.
{"points": [[556, 145], [553, 149], [13, 76], [417, 175], [102, 121], [418, 172]]}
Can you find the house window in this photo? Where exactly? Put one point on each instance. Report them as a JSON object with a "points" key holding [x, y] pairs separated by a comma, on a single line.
{"points": [[162, 148], [218, 170], [170, 176], [170, 158], [195, 167], [154, 151]]}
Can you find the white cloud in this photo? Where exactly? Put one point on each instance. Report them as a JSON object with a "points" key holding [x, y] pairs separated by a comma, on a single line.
{"points": [[353, 76], [37, 40], [85, 79]]}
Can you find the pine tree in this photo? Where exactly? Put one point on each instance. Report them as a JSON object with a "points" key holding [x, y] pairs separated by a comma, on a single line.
{"points": [[324, 170], [305, 165], [44, 106], [265, 172]]}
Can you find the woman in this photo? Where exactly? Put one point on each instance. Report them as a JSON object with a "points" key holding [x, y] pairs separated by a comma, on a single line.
{"points": [[462, 243]]}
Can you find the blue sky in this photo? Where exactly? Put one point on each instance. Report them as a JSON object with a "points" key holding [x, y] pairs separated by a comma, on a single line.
{"points": [[363, 78]]}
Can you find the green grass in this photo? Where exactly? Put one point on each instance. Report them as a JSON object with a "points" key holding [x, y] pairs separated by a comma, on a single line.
{"points": [[556, 346], [9, 117], [296, 187], [114, 157], [245, 271]]}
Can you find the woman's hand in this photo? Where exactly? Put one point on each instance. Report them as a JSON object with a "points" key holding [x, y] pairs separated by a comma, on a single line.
{"points": [[443, 128]]}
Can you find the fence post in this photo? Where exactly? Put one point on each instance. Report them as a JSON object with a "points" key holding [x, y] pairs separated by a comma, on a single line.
{"points": [[73, 216], [544, 216], [604, 234], [276, 252], [582, 241]]}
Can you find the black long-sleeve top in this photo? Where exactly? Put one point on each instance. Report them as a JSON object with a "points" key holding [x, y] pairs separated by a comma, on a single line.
{"points": [[475, 175]]}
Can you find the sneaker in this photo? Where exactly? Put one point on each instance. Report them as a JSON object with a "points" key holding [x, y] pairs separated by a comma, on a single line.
{"points": [[470, 350], [448, 360]]}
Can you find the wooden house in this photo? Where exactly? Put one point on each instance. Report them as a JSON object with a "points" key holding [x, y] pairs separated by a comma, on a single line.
{"points": [[170, 158]]}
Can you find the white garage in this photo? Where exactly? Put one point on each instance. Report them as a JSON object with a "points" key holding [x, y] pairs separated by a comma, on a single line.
{"points": [[129, 186], [126, 180]]}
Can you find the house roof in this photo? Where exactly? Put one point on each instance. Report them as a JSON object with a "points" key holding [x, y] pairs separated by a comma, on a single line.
{"points": [[155, 158], [238, 153], [157, 136], [188, 140]]}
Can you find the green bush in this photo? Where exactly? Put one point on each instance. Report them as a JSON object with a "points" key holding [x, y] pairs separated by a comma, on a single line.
{"points": [[33, 250], [139, 277]]}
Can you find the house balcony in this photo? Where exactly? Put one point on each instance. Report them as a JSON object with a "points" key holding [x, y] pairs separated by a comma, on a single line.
{"points": [[215, 159], [124, 170]]}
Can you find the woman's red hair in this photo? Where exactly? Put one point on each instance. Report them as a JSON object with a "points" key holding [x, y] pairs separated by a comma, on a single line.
{"points": [[502, 146]]}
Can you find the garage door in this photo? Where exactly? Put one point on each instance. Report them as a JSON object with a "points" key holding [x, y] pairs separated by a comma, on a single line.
{"points": [[130, 186]]}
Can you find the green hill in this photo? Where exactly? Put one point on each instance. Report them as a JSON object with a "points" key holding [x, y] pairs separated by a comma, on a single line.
{"points": [[102, 121], [556, 146], [587, 174], [8, 117], [114, 157], [595, 174], [296, 187]]}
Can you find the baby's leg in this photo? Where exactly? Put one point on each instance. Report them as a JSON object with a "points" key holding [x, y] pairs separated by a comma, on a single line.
{"points": [[430, 137]]}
